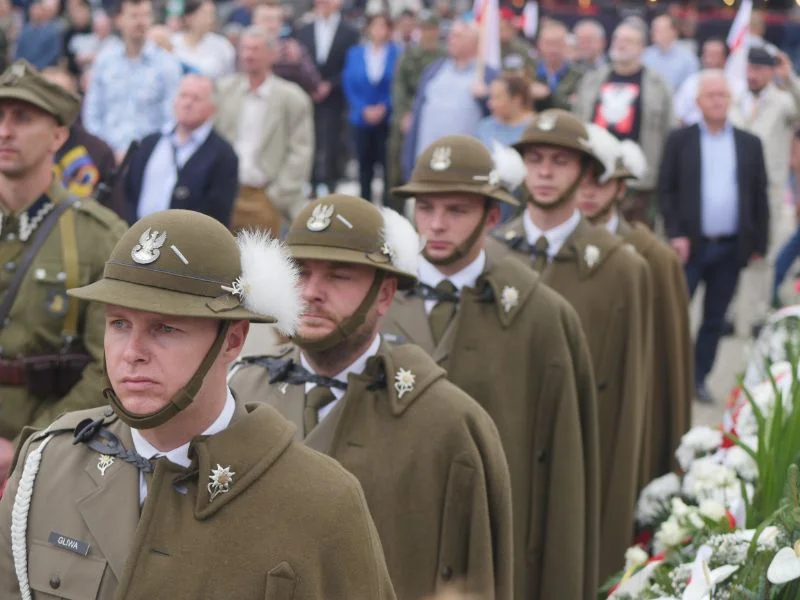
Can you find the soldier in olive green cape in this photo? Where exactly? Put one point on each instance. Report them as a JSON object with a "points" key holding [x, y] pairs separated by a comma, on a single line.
{"points": [[671, 377], [428, 456], [608, 285], [43, 323], [516, 347], [240, 510]]}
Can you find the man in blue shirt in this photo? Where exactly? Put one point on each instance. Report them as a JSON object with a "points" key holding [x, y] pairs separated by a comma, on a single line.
{"points": [[40, 40], [666, 57]]}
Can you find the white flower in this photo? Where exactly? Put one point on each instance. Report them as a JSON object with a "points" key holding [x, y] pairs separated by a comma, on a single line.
{"points": [[785, 567], [697, 442], [712, 510], [696, 521], [767, 540], [636, 584], [741, 462], [635, 557], [654, 499], [670, 534], [707, 479], [679, 508], [701, 588]]}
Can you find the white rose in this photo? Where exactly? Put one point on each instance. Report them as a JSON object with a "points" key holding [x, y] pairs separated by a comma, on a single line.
{"points": [[712, 510], [670, 534], [634, 557]]}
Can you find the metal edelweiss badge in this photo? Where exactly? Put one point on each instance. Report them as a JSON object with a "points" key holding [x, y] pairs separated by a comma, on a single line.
{"points": [[591, 255], [221, 480], [320, 219], [147, 250], [440, 161], [546, 122], [387, 250], [509, 298], [103, 463], [404, 382]]}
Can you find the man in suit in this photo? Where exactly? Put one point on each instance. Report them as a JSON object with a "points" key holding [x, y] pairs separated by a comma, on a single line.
{"points": [[634, 103], [713, 195], [188, 165], [328, 39], [268, 120]]}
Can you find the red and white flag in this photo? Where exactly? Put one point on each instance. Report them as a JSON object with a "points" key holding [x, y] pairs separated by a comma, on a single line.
{"points": [[530, 19], [739, 45], [487, 16]]}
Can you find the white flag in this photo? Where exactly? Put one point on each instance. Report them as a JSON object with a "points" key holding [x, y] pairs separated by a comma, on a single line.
{"points": [[739, 45], [487, 16], [530, 19]]}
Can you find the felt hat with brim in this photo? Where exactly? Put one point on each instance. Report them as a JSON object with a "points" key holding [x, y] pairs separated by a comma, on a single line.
{"points": [[555, 127], [21, 81], [347, 229], [186, 264], [456, 164]]}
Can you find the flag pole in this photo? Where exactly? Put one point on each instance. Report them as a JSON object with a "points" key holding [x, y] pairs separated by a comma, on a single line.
{"points": [[480, 66]]}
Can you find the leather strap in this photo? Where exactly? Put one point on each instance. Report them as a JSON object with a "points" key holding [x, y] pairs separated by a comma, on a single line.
{"points": [[69, 254], [32, 249]]}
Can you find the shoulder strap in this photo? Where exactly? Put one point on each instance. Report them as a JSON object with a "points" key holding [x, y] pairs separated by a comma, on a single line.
{"points": [[30, 253], [69, 254]]}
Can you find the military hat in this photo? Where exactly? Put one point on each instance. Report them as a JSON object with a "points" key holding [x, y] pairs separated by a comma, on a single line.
{"points": [[347, 229], [184, 263], [460, 163], [21, 81], [555, 127]]}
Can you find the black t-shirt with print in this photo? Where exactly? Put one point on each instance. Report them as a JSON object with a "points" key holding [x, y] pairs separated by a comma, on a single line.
{"points": [[619, 105]]}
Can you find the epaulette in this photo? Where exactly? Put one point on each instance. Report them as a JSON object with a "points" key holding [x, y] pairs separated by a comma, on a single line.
{"points": [[107, 217]]}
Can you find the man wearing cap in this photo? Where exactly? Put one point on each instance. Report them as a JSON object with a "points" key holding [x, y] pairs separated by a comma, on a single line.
{"points": [[671, 380], [179, 490], [606, 283], [50, 345], [487, 321], [428, 456]]}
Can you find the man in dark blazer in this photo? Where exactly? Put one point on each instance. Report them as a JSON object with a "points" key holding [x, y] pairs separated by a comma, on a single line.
{"points": [[328, 39], [189, 165], [713, 197]]}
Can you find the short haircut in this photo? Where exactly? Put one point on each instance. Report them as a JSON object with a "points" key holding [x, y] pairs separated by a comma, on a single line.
{"points": [[591, 24], [553, 25], [261, 33], [707, 74], [379, 14], [118, 7], [192, 6], [518, 86], [719, 40], [638, 25], [673, 22]]}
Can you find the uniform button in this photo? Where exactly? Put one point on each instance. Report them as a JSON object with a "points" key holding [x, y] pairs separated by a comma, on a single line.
{"points": [[108, 411], [11, 237], [11, 266], [55, 582], [447, 573]]}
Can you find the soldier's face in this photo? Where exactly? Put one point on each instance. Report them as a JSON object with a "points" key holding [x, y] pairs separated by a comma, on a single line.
{"points": [[446, 221], [28, 136], [595, 198], [550, 171], [333, 291], [150, 357]]}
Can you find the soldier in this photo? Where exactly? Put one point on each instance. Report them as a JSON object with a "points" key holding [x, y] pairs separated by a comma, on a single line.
{"points": [[50, 346], [671, 379], [485, 321], [606, 283], [516, 53], [178, 490], [404, 87], [429, 458]]}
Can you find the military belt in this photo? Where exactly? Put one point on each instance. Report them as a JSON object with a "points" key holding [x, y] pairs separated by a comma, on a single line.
{"points": [[46, 375]]}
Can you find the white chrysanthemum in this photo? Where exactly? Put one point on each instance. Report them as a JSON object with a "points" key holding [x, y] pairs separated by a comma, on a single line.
{"points": [[698, 441], [740, 461], [654, 498], [669, 535], [268, 285]]}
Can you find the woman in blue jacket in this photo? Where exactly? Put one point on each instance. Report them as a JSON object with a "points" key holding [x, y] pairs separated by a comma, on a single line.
{"points": [[367, 83]]}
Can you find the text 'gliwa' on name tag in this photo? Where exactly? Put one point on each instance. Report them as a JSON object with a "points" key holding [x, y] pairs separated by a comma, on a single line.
{"points": [[68, 543]]}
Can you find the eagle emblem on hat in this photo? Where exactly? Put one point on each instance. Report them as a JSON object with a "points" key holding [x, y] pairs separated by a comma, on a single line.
{"points": [[147, 250], [591, 255], [546, 122], [440, 160], [14, 73], [320, 218]]}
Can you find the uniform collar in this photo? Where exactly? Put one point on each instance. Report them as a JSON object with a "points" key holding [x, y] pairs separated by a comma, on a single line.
{"points": [[466, 277], [22, 225], [180, 455], [356, 367], [556, 237], [612, 225]]}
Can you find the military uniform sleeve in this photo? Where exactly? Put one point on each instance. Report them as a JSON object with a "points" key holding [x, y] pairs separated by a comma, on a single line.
{"points": [[87, 393], [402, 96]]}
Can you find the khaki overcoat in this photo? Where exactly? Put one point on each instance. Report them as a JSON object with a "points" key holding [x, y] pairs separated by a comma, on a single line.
{"points": [[293, 525], [529, 367]]}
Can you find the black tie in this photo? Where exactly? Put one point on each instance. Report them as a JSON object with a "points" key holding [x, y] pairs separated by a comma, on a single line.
{"points": [[444, 310]]}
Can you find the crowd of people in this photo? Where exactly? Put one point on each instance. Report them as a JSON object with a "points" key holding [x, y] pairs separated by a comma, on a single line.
{"points": [[489, 333]]}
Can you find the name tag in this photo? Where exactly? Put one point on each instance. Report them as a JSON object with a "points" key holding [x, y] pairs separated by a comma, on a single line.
{"points": [[391, 338], [68, 543]]}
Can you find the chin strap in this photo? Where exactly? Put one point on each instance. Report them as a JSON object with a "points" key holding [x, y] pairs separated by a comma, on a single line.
{"points": [[180, 401], [348, 326], [464, 248], [566, 196]]}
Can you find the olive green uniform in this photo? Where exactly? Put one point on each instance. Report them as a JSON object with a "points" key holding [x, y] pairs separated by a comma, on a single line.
{"points": [[518, 55], [36, 323], [565, 91], [544, 407], [430, 462], [606, 283]]}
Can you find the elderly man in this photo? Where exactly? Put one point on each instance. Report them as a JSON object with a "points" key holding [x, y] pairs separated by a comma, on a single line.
{"points": [[428, 456], [177, 489], [188, 165], [450, 100], [590, 44], [556, 79], [666, 56], [269, 122], [51, 354], [633, 103]]}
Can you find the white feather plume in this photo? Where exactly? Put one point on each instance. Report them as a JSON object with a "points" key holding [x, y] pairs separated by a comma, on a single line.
{"points": [[633, 159], [403, 240], [605, 147], [269, 284], [509, 165]]}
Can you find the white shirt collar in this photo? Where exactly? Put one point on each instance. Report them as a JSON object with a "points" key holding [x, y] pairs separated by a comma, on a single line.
{"points": [[198, 135], [466, 277], [180, 455], [555, 236], [356, 367], [612, 225], [332, 21]]}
